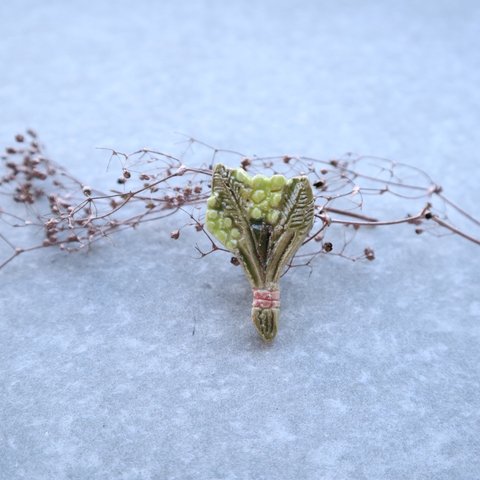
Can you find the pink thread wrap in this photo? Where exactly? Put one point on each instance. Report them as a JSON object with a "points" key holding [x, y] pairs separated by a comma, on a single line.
{"points": [[266, 298]]}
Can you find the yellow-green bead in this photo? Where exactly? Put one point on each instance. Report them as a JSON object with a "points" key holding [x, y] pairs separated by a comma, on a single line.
{"points": [[212, 226], [273, 216], [227, 222], [275, 199], [258, 196], [231, 244], [242, 176], [245, 193], [212, 214], [221, 235], [277, 182], [264, 206], [256, 213], [212, 202], [260, 181], [235, 233]]}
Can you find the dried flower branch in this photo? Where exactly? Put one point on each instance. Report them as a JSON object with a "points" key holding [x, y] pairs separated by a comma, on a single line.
{"points": [[350, 193]]}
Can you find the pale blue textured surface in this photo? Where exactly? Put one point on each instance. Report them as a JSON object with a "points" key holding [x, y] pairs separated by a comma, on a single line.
{"points": [[100, 375]]}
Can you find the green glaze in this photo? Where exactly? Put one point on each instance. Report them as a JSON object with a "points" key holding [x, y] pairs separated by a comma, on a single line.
{"points": [[262, 221]]}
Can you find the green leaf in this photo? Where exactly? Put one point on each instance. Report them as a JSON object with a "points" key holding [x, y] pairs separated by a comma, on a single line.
{"points": [[297, 214], [233, 205]]}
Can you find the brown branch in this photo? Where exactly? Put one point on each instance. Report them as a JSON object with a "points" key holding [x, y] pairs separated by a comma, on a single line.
{"points": [[350, 214], [453, 229], [410, 219]]}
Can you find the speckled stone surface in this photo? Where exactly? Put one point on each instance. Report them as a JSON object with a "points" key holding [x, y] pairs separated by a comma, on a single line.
{"points": [[139, 362]]}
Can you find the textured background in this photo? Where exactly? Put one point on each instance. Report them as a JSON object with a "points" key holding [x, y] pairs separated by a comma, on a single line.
{"points": [[378, 378]]}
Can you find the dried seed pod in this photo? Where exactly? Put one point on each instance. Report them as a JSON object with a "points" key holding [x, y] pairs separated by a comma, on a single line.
{"points": [[369, 254], [246, 162]]}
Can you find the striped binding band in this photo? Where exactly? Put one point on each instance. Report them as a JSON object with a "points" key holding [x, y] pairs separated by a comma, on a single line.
{"points": [[266, 298]]}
